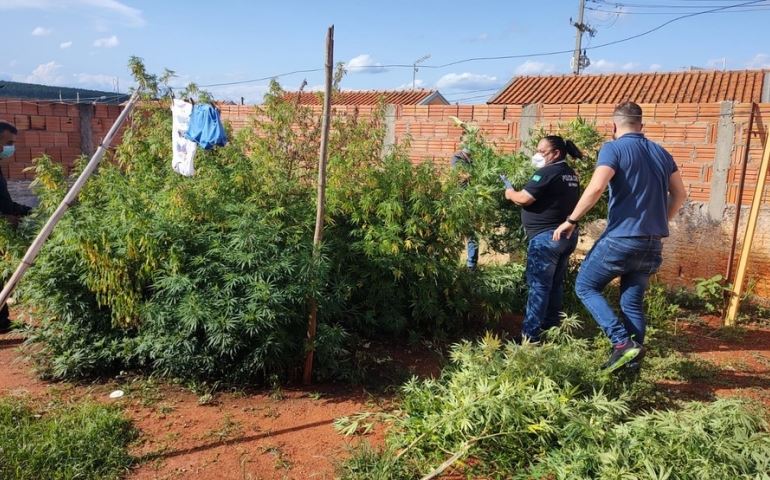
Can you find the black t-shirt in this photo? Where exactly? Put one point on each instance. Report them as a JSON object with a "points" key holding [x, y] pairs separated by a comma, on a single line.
{"points": [[556, 190]]}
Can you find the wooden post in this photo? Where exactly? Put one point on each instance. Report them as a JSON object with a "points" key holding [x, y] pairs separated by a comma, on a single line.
{"points": [[68, 200], [319, 218], [748, 237]]}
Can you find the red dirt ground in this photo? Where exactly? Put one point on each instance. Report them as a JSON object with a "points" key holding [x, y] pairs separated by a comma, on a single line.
{"points": [[288, 434]]}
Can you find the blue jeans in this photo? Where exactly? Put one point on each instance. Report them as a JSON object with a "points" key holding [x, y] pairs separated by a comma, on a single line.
{"points": [[547, 262], [472, 249], [633, 259]]}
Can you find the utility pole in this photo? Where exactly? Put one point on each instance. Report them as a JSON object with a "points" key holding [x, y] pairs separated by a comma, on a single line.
{"points": [[415, 69], [579, 58]]}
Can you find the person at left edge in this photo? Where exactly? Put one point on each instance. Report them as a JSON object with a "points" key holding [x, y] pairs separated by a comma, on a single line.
{"points": [[463, 158], [7, 206], [552, 190]]}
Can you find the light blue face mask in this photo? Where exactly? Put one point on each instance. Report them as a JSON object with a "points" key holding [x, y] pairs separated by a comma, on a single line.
{"points": [[8, 150]]}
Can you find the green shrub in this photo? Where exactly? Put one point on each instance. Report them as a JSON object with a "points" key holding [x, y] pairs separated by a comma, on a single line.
{"points": [[85, 441], [502, 405], [723, 440], [545, 411], [208, 277]]}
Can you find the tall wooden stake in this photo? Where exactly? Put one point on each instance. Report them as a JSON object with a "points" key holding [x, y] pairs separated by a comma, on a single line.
{"points": [[748, 237], [312, 323], [68, 200]]}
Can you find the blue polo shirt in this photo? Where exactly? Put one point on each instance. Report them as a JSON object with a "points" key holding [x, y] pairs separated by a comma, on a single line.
{"points": [[639, 189]]}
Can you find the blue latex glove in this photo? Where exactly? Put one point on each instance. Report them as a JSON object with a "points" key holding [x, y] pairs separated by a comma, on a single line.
{"points": [[505, 181]]}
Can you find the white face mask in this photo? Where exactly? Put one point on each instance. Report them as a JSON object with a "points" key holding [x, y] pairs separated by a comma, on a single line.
{"points": [[8, 150], [538, 160]]}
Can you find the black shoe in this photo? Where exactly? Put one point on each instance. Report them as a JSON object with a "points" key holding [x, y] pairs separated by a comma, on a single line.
{"points": [[622, 355]]}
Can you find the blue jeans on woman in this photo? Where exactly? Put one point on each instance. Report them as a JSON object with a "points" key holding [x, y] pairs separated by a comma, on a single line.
{"points": [[547, 262], [633, 259]]}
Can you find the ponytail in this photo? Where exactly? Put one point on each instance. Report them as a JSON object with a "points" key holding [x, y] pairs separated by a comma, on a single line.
{"points": [[572, 150], [565, 148]]}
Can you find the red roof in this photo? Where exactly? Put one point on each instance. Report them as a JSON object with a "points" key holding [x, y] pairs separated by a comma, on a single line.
{"points": [[676, 87], [372, 97]]}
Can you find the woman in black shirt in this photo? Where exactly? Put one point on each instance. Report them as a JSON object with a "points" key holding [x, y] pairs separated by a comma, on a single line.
{"points": [[546, 200]]}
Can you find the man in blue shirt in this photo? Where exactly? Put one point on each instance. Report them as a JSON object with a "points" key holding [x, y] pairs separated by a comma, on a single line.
{"points": [[646, 192]]}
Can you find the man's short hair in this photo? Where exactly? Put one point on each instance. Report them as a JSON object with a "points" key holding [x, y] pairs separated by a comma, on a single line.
{"points": [[7, 127], [628, 113]]}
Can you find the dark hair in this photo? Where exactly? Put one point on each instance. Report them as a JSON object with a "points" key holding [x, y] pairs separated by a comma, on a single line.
{"points": [[628, 112], [7, 127], [564, 147]]}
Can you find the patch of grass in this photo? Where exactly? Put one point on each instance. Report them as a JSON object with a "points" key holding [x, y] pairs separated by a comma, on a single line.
{"points": [[676, 366], [730, 334], [84, 441], [227, 429]]}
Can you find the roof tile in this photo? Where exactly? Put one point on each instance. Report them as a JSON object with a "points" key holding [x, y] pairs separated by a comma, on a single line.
{"points": [[673, 87], [368, 97]]}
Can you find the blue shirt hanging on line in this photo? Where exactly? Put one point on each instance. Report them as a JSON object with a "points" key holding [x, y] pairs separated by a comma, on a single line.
{"points": [[205, 127]]}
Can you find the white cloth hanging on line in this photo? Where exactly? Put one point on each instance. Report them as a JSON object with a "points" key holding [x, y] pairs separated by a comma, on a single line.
{"points": [[184, 149]]}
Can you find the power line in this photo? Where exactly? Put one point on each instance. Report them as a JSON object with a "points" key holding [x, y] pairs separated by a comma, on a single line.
{"points": [[499, 57], [620, 13], [649, 5]]}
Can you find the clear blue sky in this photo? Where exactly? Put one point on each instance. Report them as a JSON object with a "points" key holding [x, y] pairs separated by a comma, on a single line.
{"points": [[87, 43]]}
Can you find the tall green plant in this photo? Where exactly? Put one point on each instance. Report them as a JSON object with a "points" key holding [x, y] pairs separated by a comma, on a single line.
{"points": [[207, 277]]}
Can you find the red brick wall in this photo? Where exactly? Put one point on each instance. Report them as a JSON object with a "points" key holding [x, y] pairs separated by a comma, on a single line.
{"points": [[52, 128], [698, 246]]}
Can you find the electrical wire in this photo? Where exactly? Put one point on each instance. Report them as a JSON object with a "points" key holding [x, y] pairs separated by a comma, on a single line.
{"points": [[500, 57], [667, 6]]}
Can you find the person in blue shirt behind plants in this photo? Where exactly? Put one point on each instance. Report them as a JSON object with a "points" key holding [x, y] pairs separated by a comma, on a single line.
{"points": [[551, 193], [463, 157]]}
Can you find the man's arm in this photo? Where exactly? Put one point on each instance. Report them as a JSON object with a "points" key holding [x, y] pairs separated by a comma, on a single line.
{"points": [[7, 205], [677, 194], [593, 192], [521, 197]]}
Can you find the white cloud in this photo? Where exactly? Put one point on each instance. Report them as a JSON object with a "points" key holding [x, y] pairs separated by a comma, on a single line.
{"points": [[64, 45], [531, 67], [481, 37], [364, 64], [107, 42], [606, 66], [717, 62], [41, 31], [45, 73], [418, 83], [655, 67], [760, 60], [467, 81], [128, 15], [96, 80]]}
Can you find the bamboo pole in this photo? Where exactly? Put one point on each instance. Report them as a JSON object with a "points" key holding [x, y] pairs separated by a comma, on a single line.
{"points": [[748, 237], [312, 324], [68, 200], [739, 199]]}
